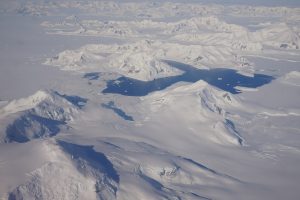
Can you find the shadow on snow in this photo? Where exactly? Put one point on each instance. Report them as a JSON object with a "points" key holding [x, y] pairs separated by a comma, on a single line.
{"points": [[111, 105]]}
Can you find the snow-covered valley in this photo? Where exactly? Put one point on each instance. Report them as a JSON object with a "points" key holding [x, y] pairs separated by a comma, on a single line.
{"points": [[149, 100]]}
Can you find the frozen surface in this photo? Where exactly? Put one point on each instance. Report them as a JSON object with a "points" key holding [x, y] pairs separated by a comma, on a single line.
{"points": [[149, 99]]}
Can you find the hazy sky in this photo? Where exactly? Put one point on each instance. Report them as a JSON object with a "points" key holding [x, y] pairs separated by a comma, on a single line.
{"points": [[289, 3], [258, 2]]}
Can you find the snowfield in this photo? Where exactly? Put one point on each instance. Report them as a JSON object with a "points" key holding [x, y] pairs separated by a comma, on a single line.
{"points": [[134, 100]]}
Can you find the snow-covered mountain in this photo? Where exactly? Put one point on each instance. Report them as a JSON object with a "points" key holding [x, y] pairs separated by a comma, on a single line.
{"points": [[279, 35], [133, 100], [71, 172], [143, 60], [40, 115], [205, 111]]}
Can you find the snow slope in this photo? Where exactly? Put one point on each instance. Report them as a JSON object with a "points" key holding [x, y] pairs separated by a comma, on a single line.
{"points": [[292, 78], [82, 172], [205, 107], [149, 100]]}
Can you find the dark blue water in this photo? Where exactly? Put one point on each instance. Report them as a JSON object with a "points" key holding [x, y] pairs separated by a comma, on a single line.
{"points": [[222, 78], [111, 105]]}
